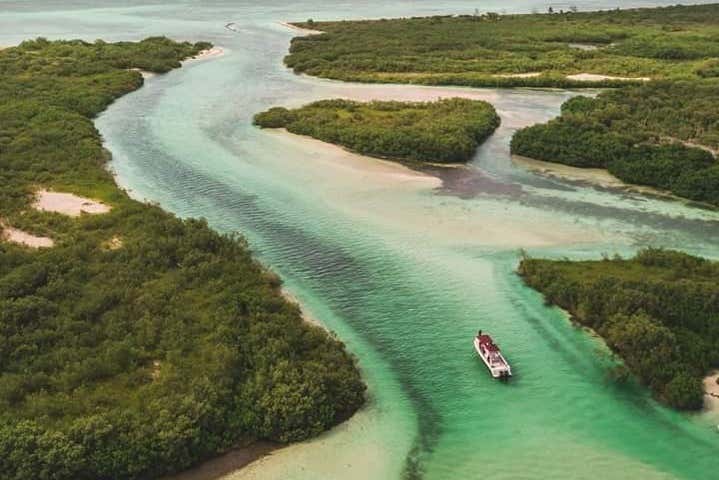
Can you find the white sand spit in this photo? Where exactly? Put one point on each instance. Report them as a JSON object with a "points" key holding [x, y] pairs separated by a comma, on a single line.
{"points": [[595, 176], [213, 52], [304, 31], [145, 74], [518, 75], [67, 204], [593, 77], [711, 392], [592, 176], [23, 238]]}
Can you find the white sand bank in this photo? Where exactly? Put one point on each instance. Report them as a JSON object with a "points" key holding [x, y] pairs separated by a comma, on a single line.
{"points": [[517, 75], [145, 74], [594, 176], [711, 392], [67, 204], [15, 235], [304, 31], [213, 52], [593, 77], [373, 171]]}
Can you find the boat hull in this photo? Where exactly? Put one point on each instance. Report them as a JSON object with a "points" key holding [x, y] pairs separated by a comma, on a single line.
{"points": [[499, 368]]}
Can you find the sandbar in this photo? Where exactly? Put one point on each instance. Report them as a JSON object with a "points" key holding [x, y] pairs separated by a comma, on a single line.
{"points": [[373, 170], [594, 176]]}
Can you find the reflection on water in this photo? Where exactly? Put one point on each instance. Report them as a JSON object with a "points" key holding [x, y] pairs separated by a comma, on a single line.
{"points": [[403, 266]]}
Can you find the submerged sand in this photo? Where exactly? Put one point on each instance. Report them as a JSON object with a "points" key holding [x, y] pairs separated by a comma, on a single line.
{"points": [[374, 171], [67, 204], [20, 237], [593, 176], [593, 77]]}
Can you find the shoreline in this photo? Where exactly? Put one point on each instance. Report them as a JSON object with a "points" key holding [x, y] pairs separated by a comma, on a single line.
{"points": [[305, 31], [387, 169], [597, 177], [213, 52], [227, 463], [711, 392]]}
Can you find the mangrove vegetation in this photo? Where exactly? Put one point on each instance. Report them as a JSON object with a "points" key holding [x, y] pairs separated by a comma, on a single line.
{"points": [[533, 50], [140, 343], [658, 311], [661, 134], [444, 131]]}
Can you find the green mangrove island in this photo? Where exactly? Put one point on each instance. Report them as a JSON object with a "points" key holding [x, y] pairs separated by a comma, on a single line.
{"points": [[444, 131], [657, 311], [657, 127], [134, 344], [562, 49], [662, 134]]}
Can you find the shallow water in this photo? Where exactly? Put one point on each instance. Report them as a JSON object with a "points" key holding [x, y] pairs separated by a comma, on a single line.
{"points": [[404, 271]]}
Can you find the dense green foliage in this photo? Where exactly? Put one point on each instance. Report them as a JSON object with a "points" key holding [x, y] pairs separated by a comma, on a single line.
{"points": [[444, 131], [659, 311], [140, 359], [679, 41], [648, 135]]}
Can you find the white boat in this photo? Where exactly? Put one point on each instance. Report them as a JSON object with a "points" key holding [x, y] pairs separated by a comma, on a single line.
{"points": [[491, 356]]}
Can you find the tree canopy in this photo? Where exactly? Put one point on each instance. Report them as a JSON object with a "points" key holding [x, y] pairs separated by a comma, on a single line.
{"points": [[658, 311], [139, 358], [489, 50], [445, 131]]}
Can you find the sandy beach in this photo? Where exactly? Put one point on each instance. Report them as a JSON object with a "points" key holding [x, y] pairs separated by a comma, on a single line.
{"points": [[67, 204], [20, 237], [145, 74], [711, 392], [213, 52], [373, 170], [227, 463], [303, 31], [593, 176]]}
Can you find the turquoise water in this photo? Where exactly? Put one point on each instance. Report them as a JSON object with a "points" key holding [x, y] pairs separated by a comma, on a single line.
{"points": [[404, 271]]}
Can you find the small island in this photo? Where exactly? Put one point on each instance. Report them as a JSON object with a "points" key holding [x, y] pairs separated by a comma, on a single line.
{"points": [[444, 131], [133, 344], [656, 311], [657, 127], [661, 134]]}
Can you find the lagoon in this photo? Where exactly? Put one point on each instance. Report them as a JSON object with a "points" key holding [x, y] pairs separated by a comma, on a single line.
{"points": [[405, 268]]}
